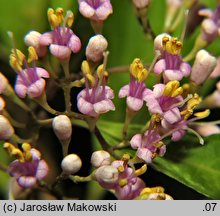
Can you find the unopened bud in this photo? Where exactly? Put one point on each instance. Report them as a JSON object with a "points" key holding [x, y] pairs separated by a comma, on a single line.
{"points": [[141, 3], [6, 130], [96, 47], [203, 66], [62, 127], [100, 158], [106, 175], [71, 164], [3, 83]]}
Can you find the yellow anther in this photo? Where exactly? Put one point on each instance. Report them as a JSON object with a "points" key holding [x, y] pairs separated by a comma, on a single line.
{"points": [[59, 15], [142, 75], [9, 147], [90, 79], [32, 54], [121, 169], [203, 114], [14, 63], [69, 18], [18, 154], [123, 182], [53, 19], [85, 67], [100, 70], [28, 156], [26, 147], [170, 88], [16, 59], [171, 45], [146, 191], [142, 170], [126, 157], [194, 102], [138, 71], [177, 92], [156, 118], [186, 89], [152, 190]]}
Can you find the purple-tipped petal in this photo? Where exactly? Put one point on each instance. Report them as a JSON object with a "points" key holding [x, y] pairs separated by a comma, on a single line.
{"points": [[134, 104], [61, 52], [160, 66], [36, 89], [74, 43], [136, 141]]}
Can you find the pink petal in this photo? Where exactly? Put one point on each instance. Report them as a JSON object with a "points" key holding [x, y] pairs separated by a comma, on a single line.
{"points": [[42, 170], [134, 104], [104, 106], [109, 93], [124, 91], [74, 43], [46, 39], [36, 89], [177, 135], [86, 107], [136, 141], [173, 75], [172, 115], [61, 52], [160, 66], [153, 105], [158, 90], [36, 155], [26, 181], [86, 10], [20, 88], [104, 10], [144, 154], [185, 68], [209, 26], [206, 12], [42, 72]]}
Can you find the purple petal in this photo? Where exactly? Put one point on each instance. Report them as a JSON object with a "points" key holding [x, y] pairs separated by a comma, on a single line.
{"points": [[36, 155], [172, 115], [46, 39], [74, 43], [160, 66], [144, 154], [134, 104], [37, 88], [42, 170], [26, 181], [61, 52], [123, 193], [136, 141], [177, 135], [124, 91], [104, 106]]}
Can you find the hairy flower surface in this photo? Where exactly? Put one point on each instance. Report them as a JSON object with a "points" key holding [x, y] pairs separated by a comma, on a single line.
{"points": [[97, 10], [61, 40], [28, 168]]}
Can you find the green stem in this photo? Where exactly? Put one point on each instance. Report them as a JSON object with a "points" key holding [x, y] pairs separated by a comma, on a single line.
{"points": [[76, 179], [129, 116]]}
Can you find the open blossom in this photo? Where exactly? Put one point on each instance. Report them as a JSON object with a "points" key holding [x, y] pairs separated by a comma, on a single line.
{"points": [[171, 64], [148, 145], [136, 90], [61, 39], [28, 168], [126, 185], [96, 98], [211, 25], [97, 10], [29, 80]]}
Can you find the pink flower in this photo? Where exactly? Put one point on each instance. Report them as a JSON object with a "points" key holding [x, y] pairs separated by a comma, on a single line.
{"points": [[148, 145], [97, 10], [61, 40], [136, 90], [210, 26], [28, 168], [171, 64]]}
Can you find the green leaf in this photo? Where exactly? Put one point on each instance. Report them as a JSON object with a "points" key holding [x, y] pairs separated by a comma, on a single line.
{"points": [[186, 161]]}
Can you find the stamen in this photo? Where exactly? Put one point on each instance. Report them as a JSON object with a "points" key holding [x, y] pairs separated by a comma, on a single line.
{"points": [[184, 26], [181, 103], [85, 67], [172, 46], [123, 182], [203, 114], [32, 54], [69, 19], [18, 154], [121, 169], [170, 88], [9, 147], [141, 171], [90, 79], [105, 54], [52, 18], [59, 15], [201, 140]]}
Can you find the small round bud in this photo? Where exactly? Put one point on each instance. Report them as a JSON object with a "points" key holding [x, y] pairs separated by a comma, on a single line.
{"points": [[62, 127], [141, 3], [71, 164], [106, 175], [203, 66], [100, 158], [3, 83], [95, 48], [6, 130]]}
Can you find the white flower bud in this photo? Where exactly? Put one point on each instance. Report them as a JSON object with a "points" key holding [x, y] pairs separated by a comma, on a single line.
{"points": [[3, 83], [6, 130], [203, 66], [141, 3], [71, 164], [158, 45], [106, 174], [62, 127], [95, 48], [100, 158]]}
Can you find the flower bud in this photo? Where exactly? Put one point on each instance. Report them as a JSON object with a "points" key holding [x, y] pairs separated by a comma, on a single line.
{"points": [[202, 67], [6, 130], [71, 164], [141, 3], [100, 158], [95, 48], [2, 103], [158, 42], [32, 39], [62, 127], [3, 83], [106, 175]]}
